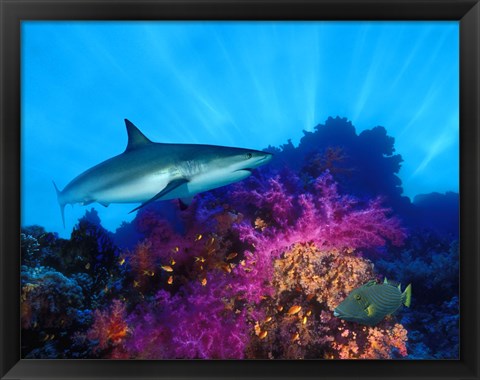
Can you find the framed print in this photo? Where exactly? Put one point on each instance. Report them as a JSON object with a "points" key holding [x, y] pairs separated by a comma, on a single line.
{"points": [[237, 189]]}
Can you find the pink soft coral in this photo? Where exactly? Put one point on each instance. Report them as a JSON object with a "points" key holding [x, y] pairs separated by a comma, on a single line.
{"points": [[204, 323]]}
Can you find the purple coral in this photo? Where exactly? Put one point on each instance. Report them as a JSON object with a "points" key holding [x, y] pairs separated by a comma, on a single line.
{"points": [[200, 323]]}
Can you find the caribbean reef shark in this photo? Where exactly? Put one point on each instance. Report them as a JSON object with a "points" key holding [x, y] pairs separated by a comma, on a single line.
{"points": [[147, 171]]}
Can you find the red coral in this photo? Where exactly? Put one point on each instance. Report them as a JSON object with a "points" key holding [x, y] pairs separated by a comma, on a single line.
{"points": [[109, 327]]}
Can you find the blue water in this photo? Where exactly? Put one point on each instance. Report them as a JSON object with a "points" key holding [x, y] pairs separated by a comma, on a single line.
{"points": [[245, 84]]}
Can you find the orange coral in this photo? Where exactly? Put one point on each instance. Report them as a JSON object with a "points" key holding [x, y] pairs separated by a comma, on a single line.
{"points": [[327, 275], [381, 341], [309, 283], [142, 262], [109, 327]]}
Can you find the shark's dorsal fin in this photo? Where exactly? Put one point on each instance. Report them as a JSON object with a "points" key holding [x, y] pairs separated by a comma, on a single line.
{"points": [[136, 139]]}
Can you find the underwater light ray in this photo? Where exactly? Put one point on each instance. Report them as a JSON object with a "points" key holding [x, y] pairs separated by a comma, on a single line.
{"points": [[374, 63], [438, 145], [429, 102], [385, 42], [312, 79], [253, 49], [194, 93], [232, 54], [413, 53]]}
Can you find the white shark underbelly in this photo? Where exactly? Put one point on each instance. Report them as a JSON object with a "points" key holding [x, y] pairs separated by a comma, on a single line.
{"points": [[144, 188], [139, 190]]}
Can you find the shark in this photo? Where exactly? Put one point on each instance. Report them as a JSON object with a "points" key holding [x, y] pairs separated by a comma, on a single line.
{"points": [[150, 171]]}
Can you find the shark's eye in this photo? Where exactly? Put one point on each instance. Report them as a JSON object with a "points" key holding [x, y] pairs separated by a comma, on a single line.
{"points": [[248, 156]]}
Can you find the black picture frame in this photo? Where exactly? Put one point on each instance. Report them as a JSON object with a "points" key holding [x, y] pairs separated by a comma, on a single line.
{"points": [[467, 12]]}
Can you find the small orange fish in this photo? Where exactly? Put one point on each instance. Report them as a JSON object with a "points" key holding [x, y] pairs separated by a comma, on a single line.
{"points": [[198, 237], [279, 307], [199, 258], [268, 319], [310, 296], [232, 255], [167, 268], [263, 334], [294, 310], [170, 280], [257, 328], [176, 249], [204, 281], [122, 261], [304, 321], [295, 337], [172, 261], [87, 266], [136, 284], [226, 267], [309, 313]]}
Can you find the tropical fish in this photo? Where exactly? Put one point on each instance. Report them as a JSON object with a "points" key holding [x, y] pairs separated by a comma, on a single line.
{"points": [[148, 171], [231, 256], [371, 302], [294, 310]]}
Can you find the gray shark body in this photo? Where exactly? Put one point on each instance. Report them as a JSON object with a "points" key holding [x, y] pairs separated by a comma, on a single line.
{"points": [[148, 171]]}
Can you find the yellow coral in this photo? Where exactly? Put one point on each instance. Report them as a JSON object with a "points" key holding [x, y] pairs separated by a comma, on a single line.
{"points": [[329, 275]]}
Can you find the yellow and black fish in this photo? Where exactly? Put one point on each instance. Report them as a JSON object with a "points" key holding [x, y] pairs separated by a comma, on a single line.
{"points": [[371, 302]]}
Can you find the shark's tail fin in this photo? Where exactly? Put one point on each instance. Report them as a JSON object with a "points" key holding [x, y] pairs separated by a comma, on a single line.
{"points": [[61, 204]]}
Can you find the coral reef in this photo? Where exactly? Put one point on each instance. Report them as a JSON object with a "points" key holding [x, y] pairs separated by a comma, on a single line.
{"points": [[309, 284], [255, 270]]}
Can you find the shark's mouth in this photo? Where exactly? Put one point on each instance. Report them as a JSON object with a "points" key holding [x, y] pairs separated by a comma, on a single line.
{"points": [[244, 170]]}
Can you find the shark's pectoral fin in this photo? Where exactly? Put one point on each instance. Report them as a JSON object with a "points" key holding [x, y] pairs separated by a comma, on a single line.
{"points": [[185, 202], [104, 204], [171, 186], [86, 203]]}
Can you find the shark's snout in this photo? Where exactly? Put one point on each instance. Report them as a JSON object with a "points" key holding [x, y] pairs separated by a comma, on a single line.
{"points": [[261, 159], [267, 157]]}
